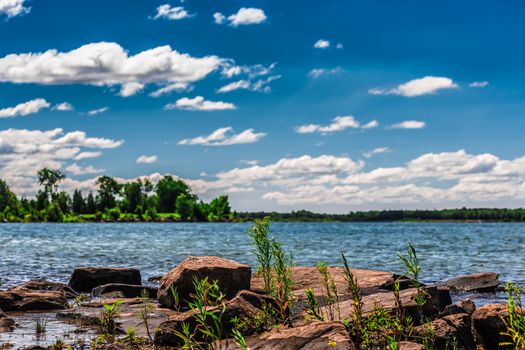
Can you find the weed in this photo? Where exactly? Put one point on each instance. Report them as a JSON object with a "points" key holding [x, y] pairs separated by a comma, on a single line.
{"points": [[146, 309], [331, 295], [515, 322], [81, 299], [313, 311], [239, 340], [58, 345], [282, 269], [131, 337], [40, 327], [108, 325], [176, 297], [355, 294], [332, 344], [260, 234], [258, 323]]}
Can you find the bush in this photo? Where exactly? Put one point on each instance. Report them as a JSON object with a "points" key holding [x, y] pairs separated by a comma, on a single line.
{"points": [[54, 213], [152, 213], [99, 216], [113, 214]]}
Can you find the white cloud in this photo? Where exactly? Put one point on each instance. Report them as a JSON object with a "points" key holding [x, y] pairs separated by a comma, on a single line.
{"points": [[23, 152], [198, 103], [418, 87], [108, 64], [322, 44], [375, 151], [317, 72], [244, 16], [75, 169], [339, 46], [225, 137], [371, 124], [147, 159], [97, 111], [248, 162], [63, 107], [171, 13], [168, 89], [338, 124], [12, 8], [409, 124], [261, 85], [26, 108], [236, 85], [478, 84]]}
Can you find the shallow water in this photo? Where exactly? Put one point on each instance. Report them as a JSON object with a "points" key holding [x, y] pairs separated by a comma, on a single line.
{"points": [[445, 249]]}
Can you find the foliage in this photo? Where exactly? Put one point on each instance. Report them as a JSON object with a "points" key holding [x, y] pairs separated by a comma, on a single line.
{"points": [[283, 283], [313, 310], [146, 309], [108, 325], [260, 234], [412, 269], [515, 322], [109, 188], [357, 328], [330, 290]]}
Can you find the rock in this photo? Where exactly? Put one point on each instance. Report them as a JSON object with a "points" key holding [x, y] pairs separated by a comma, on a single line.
{"points": [[237, 308], [32, 301], [450, 332], [118, 346], [230, 275], [440, 296], [488, 324], [387, 301], [484, 282], [314, 336], [370, 281], [44, 285], [6, 324], [84, 279], [462, 307], [127, 290], [408, 345]]}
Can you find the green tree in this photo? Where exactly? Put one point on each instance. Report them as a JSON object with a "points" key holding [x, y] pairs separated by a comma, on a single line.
{"points": [[78, 205], [91, 207], [168, 190], [108, 189], [185, 205], [134, 195], [220, 208], [49, 179], [7, 197]]}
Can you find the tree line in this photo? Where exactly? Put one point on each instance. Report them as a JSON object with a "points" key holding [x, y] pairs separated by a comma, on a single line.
{"points": [[168, 200]]}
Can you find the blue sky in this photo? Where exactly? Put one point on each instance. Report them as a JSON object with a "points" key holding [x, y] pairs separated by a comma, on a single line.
{"points": [[441, 82]]}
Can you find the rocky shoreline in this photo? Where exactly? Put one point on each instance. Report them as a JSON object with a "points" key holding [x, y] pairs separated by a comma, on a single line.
{"points": [[81, 304]]}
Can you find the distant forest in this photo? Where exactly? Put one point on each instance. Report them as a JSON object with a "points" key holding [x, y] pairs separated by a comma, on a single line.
{"points": [[461, 214]]}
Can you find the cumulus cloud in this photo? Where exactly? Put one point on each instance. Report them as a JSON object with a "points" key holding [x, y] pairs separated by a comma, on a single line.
{"points": [[97, 111], [317, 72], [375, 151], [63, 107], [147, 159], [370, 125], [171, 13], [108, 64], [168, 89], [75, 169], [322, 44], [478, 84], [244, 16], [261, 85], [12, 8], [417, 87], [23, 152], [26, 108], [225, 137], [409, 124], [337, 124], [198, 103]]}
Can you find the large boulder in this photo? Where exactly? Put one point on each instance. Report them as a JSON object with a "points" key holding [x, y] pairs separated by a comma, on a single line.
{"points": [[480, 282], [488, 324], [450, 332], [42, 285], [314, 336], [32, 301], [84, 279], [466, 306], [243, 306], [231, 277], [127, 290]]}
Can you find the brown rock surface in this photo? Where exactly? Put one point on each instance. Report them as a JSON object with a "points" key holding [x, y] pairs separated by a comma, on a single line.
{"points": [[84, 279], [32, 301], [478, 282], [42, 285], [451, 332], [488, 325]]}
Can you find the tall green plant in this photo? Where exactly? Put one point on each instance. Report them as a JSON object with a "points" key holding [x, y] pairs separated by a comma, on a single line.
{"points": [[412, 270], [515, 322], [260, 234], [283, 287], [355, 293], [330, 290]]}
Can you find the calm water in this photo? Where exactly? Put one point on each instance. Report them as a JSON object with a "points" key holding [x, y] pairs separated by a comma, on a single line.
{"points": [[445, 249]]}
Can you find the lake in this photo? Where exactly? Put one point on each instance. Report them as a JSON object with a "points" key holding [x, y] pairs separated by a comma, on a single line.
{"points": [[445, 249]]}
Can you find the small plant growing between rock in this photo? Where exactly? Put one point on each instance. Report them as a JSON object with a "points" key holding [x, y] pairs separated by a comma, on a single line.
{"points": [[314, 312], [239, 340], [515, 322], [282, 269], [412, 270], [357, 328], [331, 295], [132, 338], [58, 345], [108, 325], [260, 234], [176, 298], [40, 327], [146, 309]]}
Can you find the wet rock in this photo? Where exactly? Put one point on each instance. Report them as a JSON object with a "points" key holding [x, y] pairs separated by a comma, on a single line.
{"points": [[450, 332], [370, 281], [84, 279], [230, 275], [237, 308], [155, 279], [484, 282], [462, 307], [388, 302], [32, 301], [314, 336], [126, 290], [488, 325], [440, 296], [6, 324], [42, 285], [408, 345]]}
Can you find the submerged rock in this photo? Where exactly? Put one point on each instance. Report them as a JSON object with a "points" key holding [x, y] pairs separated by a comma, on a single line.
{"points": [[488, 324], [231, 276], [32, 301], [41, 284], [126, 290], [84, 279], [484, 282], [6, 324]]}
